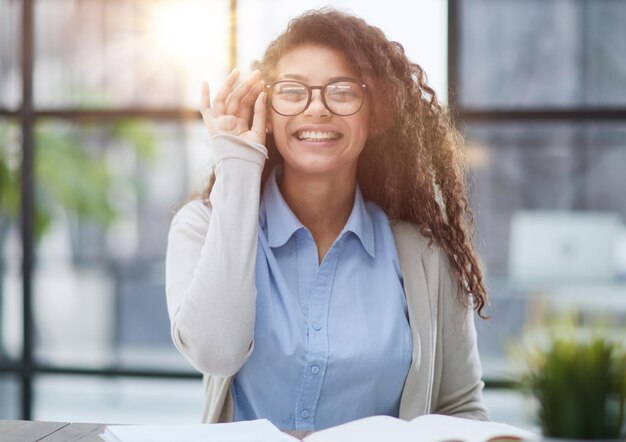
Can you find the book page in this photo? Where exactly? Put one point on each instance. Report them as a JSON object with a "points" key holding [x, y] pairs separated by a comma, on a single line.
{"points": [[260, 430], [369, 429], [439, 428], [429, 428]]}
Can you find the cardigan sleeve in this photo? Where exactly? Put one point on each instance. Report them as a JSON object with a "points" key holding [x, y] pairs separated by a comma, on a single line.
{"points": [[460, 388], [210, 263]]}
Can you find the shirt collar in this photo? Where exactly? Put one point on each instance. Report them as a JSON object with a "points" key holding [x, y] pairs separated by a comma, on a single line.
{"points": [[282, 223], [361, 224]]}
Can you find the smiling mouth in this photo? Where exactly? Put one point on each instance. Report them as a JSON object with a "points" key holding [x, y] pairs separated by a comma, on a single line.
{"points": [[317, 136]]}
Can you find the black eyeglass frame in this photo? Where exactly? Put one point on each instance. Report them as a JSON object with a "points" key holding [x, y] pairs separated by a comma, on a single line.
{"points": [[310, 90]]}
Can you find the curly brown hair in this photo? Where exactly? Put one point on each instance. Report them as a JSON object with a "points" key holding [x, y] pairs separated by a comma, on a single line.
{"points": [[412, 165]]}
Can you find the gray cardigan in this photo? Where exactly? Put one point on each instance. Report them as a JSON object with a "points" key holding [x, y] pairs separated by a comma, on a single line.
{"points": [[211, 297]]}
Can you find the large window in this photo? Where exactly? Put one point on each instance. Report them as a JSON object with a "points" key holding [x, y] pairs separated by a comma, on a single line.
{"points": [[540, 91], [100, 143]]}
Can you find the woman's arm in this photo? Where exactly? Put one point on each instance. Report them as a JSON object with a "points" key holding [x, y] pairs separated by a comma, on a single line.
{"points": [[211, 252], [210, 263]]}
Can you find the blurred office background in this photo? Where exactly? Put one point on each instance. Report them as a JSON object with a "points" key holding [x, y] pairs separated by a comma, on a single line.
{"points": [[100, 142]]}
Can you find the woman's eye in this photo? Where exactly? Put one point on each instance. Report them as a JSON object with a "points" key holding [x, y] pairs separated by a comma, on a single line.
{"points": [[292, 93], [342, 94]]}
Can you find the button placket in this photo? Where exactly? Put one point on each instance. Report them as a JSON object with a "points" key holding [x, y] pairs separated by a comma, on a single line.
{"points": [[317, 349]]}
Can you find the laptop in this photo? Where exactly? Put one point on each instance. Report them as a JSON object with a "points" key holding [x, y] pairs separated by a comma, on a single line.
{"points": [[563, 245]]}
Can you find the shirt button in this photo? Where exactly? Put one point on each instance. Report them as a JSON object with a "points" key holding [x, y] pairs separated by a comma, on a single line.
{"points": [[317, 326], [315, 369], [304, 413]]}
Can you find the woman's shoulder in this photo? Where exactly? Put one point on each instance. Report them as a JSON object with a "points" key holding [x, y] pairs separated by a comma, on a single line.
{"points": [[410, 238], [408, 232], [404, 232]]}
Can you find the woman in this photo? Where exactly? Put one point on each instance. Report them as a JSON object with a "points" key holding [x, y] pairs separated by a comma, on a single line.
{"points": [[326, 273]]}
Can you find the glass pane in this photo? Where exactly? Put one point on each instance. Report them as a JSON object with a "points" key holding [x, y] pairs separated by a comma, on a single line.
{"points": [[605, 48], [550, 224], [105, 197], [9, 397], [10, 242], [514, 167], [605, 159], [542, 166], [117, 400], [537, 53], [10, 72], [426, 44], [130, 52]]}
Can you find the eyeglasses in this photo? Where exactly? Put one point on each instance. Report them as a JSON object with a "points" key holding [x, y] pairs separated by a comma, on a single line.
{"points": [[290, 97]]}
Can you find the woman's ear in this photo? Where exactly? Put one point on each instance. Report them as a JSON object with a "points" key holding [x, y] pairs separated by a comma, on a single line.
{"points": [[268, 125]]}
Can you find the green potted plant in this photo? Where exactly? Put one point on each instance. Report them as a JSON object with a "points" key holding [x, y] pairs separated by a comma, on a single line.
{"points": [[578, 377]]}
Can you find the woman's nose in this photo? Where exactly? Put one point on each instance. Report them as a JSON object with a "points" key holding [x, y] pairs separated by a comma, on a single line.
{"points": [[316, 107]]}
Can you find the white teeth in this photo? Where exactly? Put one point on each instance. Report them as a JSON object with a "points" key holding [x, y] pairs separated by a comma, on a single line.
{"points": [[309, 135]]}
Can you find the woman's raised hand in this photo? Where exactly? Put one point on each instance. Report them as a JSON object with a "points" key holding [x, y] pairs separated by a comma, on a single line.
{"points": [[233, 106]]}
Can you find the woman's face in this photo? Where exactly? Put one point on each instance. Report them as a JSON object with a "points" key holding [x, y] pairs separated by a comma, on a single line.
{"points": [[318, 142]]}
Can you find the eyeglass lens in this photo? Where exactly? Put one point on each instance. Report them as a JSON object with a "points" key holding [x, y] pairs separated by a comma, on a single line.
{"points": [[292, 97]]}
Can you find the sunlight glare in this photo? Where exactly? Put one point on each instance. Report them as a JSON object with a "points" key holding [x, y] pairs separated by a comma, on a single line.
{"points": [[175, 27]]}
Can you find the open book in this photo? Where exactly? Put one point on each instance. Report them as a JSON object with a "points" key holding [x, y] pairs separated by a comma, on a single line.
{"points": [[429, 428]]}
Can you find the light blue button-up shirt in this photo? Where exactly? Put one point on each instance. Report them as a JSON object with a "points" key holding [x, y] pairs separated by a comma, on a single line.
{"points": [[332, 342]]}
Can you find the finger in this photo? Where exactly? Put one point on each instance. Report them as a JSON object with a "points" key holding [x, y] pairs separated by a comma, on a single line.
{"points": [[219, 103], [247, 104], [260, 117], [205, 97], [234, 100]]}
